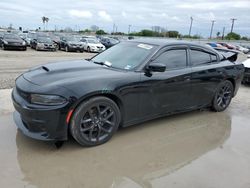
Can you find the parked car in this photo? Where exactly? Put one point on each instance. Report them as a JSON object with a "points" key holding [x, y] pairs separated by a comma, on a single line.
{"points": [[227, 45], [71, 43], [215, 45], [92, 45], [12, 41], [246, 79], [92, 98], [44, 43], [242, 49], [30, 37], [108, 42], [33, 41]]}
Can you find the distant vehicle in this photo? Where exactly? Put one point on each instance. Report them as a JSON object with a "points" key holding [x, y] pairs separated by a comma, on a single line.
{"points": [[35, 37], [92, 45], [12, 41], [71, 43], [45, 43], [242, 49], [246, 79], [228, 46], [30, 36], [215, 45], [108, 42]]}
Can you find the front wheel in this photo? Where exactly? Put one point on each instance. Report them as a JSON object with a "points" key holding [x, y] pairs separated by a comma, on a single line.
{"points": [[95, 121], [223, 96]]}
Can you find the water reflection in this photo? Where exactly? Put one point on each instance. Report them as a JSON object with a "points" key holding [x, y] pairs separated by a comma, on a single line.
{"points": [[135, 156]]}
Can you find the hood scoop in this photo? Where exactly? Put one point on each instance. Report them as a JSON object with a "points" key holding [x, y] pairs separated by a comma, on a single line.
{"points": [[45, 68]]}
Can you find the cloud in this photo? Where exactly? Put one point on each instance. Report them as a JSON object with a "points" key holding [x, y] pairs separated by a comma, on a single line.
{"points": [[80, 13], [124, 14], [105, 16]]}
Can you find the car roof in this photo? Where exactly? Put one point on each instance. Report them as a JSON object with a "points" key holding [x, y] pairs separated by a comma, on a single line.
{"points": [[167, 42]]}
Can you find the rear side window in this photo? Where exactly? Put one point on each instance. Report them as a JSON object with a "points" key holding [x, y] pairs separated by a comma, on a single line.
{"points": [[173, 58], [199, 57]]}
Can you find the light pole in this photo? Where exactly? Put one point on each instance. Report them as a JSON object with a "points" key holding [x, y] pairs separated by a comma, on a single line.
{"points": [[191, 23], [129, 26], [212, 27], [232, 27]]}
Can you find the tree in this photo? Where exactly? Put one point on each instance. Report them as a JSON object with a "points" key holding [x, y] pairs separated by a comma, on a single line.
{"points": [[218, 34], [46, 20], [244, 38], [43, 20], [100, 32], [233, 36], [173, 34]]}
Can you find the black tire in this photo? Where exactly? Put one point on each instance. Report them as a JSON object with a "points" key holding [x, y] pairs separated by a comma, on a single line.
{"points": [[4, 47], [88, 49], [223, 96], [25, 49], [81, 51], [95, 121]]}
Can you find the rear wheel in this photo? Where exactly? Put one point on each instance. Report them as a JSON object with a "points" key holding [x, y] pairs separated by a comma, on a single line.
{"points": [[223, 96], [95, 121]]}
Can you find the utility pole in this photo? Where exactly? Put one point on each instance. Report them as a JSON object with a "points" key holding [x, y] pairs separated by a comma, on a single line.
{"points": [[212, 27], [223, 33], [113, 28], [190, 29], [232, 27], [129, 26]]}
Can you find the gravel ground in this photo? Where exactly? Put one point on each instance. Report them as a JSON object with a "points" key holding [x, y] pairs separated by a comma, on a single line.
{"points": [[13, 63]]}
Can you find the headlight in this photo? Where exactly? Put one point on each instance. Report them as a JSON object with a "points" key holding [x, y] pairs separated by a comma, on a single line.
{"points": [[5, 42], [50, 100], [24, 43]]}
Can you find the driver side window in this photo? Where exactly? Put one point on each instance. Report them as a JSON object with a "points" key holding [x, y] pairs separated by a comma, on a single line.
{"points": [[176, 58]]}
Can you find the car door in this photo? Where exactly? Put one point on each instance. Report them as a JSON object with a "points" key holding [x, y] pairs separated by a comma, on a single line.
{"points": [[169, 91], [206, 74]]}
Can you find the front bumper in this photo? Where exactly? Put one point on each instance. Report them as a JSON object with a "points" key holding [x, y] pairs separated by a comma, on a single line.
{"points": [[41, 123], [96, 49], [76, 48], [14, 46]]}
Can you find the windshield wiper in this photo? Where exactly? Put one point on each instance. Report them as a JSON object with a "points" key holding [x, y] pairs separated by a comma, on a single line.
{"points": [[103, 63]]}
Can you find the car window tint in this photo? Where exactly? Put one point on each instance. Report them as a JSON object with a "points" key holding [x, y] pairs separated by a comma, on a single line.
{"points": [[199, 57], [173, 58]]}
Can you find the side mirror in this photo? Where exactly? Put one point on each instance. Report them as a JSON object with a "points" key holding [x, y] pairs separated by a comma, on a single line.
{"points": [[156, 67]]}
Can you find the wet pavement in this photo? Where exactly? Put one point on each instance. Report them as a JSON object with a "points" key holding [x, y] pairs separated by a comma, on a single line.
{"points": [[200, 149]]}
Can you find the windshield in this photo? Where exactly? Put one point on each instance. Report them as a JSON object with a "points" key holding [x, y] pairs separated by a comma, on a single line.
{"points": [[43, 39], [92, 41], [12, 37], [73, 39], [126, 55]]}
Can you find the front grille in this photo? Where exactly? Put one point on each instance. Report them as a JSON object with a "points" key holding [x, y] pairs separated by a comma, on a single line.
{"points": [[24, 95], [14, 43]]}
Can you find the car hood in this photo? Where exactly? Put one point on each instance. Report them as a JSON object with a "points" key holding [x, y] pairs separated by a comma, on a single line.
{"points": [[73, 42], [14, 40], [67, 72], [96, 45]]}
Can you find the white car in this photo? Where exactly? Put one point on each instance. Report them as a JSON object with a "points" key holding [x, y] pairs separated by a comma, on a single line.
{"points": [[92, 45], [242, 49], [246, 64]]}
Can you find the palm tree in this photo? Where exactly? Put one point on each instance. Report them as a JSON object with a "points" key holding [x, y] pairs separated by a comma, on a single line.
{"points": [[46, 20], [43, 20]]}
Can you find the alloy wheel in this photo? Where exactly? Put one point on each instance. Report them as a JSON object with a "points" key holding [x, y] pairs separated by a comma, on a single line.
{"points": [[224, 96], [97, 123]]}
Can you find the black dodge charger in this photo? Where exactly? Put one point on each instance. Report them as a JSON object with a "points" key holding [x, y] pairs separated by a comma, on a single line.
{"points": [[132, 82]]}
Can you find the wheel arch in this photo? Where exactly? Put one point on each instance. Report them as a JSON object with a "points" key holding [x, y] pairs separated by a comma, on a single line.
{"points": [[111, 96]]}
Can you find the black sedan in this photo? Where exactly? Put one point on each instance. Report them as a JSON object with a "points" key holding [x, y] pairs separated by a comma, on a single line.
{"points": [[132, 82], [12, 41], [71, 43]]}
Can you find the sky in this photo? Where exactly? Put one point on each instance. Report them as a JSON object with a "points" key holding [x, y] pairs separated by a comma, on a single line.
{"points": [[140, 14]]}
